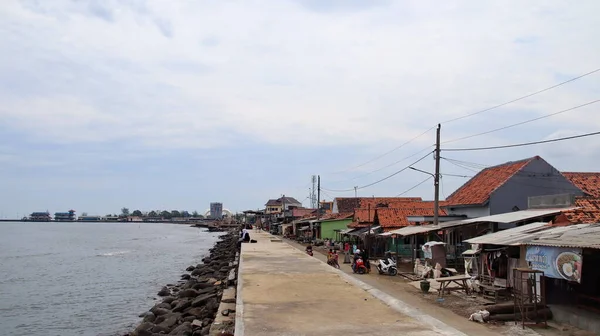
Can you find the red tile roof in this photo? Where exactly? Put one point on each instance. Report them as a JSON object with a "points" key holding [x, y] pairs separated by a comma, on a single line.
{"points": [[588, 212], [589, 183], [349, 204], [302, 212], [389, 218], [479, 188]]}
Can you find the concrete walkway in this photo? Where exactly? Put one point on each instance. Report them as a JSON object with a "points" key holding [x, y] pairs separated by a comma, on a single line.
{"points": [[282, 291]]}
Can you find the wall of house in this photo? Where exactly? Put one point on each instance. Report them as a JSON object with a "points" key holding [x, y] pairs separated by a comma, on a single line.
{"points": [[328, 227], [471, 211], [270, 209], [536, 179]]}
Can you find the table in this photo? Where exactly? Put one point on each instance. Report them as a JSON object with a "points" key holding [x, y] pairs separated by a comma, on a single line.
{"points": [[460, 280]]}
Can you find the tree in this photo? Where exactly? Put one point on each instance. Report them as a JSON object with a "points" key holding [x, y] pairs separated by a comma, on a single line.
{"points": [[137, 213], [84, 214], [175, 213], [195, 214], [185, 214], [125, 212], [152, 214], [165, 214]]}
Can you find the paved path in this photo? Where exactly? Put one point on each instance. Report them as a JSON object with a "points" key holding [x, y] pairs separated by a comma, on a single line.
{"points": [[282, 291]]}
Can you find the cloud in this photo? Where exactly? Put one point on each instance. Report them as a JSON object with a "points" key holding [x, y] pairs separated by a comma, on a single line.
{"points": [[353, 77]]}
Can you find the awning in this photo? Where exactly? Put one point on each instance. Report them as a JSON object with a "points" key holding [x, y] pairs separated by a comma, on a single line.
{"points": [[346, 231], [524, 234], [358, 232]]}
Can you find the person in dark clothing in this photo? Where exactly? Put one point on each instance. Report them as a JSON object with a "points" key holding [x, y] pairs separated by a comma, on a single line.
{"points": [[365, 257]]}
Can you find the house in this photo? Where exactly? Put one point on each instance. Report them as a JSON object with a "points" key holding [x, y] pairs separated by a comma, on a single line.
{"points": [[40, 216], [65, 216], [587, 212], [506, 187], [332, 224], [277, 206]]}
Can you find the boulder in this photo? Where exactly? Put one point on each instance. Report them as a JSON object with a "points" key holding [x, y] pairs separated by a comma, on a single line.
{"points": [[185, 276], [190, 268], [168, 299], [144, 326], [160, 311], [197, 323], [164, 292], [201, 285], [188, 293], [150, 317], [201, 300], [170, 320], [182, 305], [189, 318], [197, 312], [160, 329], [184, 329], [161, 305]]}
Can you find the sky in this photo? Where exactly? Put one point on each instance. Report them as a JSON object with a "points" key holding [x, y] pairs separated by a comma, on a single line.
{"points": [[154, 104]]}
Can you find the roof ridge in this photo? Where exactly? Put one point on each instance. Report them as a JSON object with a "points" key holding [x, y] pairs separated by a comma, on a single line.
{"points": [[500, 183]]}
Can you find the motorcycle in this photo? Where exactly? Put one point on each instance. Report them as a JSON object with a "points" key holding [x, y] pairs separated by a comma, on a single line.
{"points": [[360, 267], [309, 252], [387, 266]]}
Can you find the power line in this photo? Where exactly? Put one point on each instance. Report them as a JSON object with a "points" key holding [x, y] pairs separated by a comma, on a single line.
{"points": [[413, 187], [386, 153], [524, 122], [391, 164], [521, 144], [523, 97], [381, 180]]}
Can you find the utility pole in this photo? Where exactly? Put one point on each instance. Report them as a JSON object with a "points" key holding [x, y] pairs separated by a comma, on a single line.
{"points": [[318, 197], [312, 231], [355, 193], [436, 178]]}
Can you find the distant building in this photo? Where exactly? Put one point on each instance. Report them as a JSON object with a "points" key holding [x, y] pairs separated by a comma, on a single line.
{"points": [[89, 218], [216, 210], [40, 216], [65, 216]]}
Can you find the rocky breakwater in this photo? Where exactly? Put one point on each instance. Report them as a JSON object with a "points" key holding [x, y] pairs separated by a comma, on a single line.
{"points": [[193, 306]]}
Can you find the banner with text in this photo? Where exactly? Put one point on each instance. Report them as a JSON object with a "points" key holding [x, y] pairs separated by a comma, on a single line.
{"points": [[556, 262]]}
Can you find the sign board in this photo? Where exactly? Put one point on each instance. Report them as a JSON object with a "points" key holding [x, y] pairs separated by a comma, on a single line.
{"points": [[556, 262]]}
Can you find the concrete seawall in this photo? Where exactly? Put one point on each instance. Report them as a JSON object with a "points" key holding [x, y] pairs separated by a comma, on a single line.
{"points": [[282, 291]]}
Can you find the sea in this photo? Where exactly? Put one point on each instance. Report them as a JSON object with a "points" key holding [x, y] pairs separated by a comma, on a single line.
{"points": [[90, 279]]}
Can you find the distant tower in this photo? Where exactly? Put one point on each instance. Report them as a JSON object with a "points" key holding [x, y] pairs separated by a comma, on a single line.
{"points": [[313, 194], [216, 210]]}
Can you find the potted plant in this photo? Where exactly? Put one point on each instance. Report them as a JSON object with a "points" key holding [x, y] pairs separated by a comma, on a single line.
{"points": [[425, 285]]}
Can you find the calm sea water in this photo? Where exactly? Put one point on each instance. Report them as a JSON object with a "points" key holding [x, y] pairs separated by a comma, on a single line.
{"points": [[89, 278]]}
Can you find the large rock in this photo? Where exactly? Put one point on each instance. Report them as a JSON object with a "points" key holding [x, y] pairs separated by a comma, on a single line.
{"points": [[160, 311], [197, 312], [168, 299], [164, 292], [184, 329], [201, 300], [150, 317], [202, 285], [162, 305], [144, 326], [182, 305], [188, 293], [160, 329], [185, 276], [170, 320], [190, 268]]}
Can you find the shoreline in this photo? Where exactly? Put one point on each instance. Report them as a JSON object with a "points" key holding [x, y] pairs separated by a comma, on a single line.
{"points": [[199, 303]]}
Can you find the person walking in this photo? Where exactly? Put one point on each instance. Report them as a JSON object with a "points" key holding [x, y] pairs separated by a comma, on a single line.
{"points": [[347, 253]]}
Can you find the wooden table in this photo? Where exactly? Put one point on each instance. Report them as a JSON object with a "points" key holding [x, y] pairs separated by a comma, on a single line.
{"points": [[460, 280]]}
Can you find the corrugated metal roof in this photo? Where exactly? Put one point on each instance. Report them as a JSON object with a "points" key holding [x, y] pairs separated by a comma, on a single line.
{"points": [[517, 216], [524, 234], [580, 236], [509, 217]]}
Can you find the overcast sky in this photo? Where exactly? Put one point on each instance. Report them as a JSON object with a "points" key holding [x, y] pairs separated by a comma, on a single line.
{"points": [[174, 104]]}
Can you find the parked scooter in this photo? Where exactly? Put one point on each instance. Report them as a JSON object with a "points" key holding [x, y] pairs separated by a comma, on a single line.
{"points": [[388, 265], [309, 250]]}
